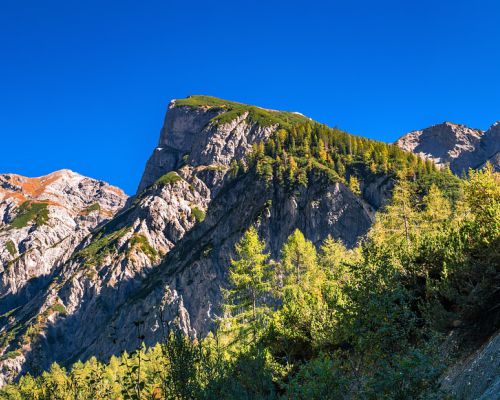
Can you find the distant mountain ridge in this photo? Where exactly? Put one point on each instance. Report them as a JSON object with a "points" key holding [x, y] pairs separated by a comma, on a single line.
{"points": [[457, 145]]}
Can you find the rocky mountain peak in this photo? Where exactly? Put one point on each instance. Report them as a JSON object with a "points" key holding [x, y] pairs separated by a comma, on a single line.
{"points": [[42, 220], [59, 188], [457, 145], [207, 131]]}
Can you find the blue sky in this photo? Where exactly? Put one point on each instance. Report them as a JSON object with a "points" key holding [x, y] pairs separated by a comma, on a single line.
{"points": [[84, 84]]}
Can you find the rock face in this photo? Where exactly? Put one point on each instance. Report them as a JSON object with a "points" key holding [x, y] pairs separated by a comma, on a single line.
{"points": [[165, 256], [189, 137], [457, 145], [478, 375], [42, 220]]}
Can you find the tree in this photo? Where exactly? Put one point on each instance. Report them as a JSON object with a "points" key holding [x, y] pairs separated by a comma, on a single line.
{"points": [[250, 284], [296, 324], [396, 224], [299, 260], [482, 194], [322, 154], [354, 185], [437, 210]]}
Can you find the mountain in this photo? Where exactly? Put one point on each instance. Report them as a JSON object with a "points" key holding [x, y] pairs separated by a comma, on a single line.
{"points": [[42, 220], [457, 145], [219, 168], [357, 305]]}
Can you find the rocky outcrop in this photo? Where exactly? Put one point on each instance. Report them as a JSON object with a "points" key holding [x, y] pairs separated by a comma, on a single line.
{"points": [[189, 136], [456, 145], [42, 220]]}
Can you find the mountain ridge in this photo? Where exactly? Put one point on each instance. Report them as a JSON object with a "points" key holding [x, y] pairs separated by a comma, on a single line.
{"points": [[203, 198], [218, 169], [455, 145]]}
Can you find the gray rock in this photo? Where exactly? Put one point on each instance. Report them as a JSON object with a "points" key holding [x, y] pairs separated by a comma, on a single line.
{"points": [[74, 204], [189, 136], [456, 145], [478, 375]]}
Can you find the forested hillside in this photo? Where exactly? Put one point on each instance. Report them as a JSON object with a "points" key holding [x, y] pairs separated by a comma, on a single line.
{"points": [[367, 322]]}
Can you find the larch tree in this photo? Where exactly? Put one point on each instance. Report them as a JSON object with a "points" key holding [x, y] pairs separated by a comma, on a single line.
{"points": [[245, 306]]}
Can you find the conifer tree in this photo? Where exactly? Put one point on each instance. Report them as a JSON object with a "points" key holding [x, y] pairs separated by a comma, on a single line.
{"points": [[437, 210], [354, 185], [396, 225], [299, 260], [250, 284]]}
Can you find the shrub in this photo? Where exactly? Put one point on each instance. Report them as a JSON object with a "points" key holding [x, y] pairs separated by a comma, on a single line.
{"points": [[11, 248], [198, 214], [170, 178]]}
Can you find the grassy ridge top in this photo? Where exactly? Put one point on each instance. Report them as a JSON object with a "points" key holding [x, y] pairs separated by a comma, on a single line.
{"points": [[231, 110]]}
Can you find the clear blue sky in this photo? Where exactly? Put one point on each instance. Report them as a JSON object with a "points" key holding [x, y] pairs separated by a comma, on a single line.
{"points": [[84, 84]]}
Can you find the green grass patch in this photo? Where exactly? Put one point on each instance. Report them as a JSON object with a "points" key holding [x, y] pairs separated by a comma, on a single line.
{"points": [[10, 354], [170, 178], [31, 211], [100, 247], [215, 167], [92, 207], [139, 241], [198, 214], [11, 248], [59, 308], [232, 110]]}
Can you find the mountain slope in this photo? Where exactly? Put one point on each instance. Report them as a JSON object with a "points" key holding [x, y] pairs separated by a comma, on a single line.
{"points": [[42, 220], [457, 145], [219, 168]]}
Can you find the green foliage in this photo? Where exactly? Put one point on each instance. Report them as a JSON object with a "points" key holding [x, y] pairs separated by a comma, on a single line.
{"points": [[59, 308], [198, 214], [294, 155], [10, 354], [245, 307], [354, 185], [321, 378], [299, 261], [170, 178], [363, 323], [102, 245], [231, 110], [138, 241], [11, 248], [31, 211], [92, 207]]}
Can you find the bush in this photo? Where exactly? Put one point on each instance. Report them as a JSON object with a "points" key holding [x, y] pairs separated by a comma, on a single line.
{"points": [[11, 248], [170, 178], [198, 214]]}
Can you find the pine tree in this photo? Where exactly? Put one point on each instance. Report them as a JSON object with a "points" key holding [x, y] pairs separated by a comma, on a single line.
{"points": [[437, 210], [397, 224], [322, 154]]}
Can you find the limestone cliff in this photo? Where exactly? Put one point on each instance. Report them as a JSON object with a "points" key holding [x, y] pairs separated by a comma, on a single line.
{"points": [[42, 220], [457, 145]]}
